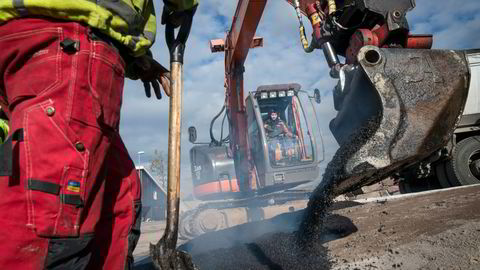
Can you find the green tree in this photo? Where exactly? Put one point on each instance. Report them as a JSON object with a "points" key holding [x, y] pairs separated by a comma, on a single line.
{"points": [[158, 167]]}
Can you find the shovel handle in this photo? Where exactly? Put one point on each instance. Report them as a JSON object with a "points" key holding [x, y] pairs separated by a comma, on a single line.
{"points": [[176, 47], [174, 138]]}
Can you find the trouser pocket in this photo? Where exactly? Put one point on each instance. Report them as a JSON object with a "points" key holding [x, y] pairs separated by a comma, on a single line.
{"points": [[106, 79], [56, 170]]}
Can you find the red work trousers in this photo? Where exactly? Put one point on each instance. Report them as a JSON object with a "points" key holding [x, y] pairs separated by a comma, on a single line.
{"points": [[73, 199]]}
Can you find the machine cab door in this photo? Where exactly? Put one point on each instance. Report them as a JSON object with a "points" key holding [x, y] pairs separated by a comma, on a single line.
{"points": [[255, 138]]}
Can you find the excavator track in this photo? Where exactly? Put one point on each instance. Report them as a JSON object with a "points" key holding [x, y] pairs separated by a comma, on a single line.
{"points": [[217, 215]]}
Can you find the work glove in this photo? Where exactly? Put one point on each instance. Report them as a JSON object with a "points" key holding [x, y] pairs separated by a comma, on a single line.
{"points": [[152, 74], [175, 15]]}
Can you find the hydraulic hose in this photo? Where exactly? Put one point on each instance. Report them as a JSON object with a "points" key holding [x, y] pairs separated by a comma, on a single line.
{"points": [[303, 38], [212, 138], [221, 132]]}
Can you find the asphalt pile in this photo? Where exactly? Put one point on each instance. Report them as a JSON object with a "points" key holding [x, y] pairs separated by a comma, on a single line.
{"points": [[235, 248], [272, 251]]}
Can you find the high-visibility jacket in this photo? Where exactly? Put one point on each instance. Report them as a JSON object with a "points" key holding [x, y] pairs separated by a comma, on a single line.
{"points": [[3, 130], [131, 22]]}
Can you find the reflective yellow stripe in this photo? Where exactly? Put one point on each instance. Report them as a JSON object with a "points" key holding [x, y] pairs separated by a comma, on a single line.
{"points": [[150, 27], [134, 19], [149, 35], [20, 7]]}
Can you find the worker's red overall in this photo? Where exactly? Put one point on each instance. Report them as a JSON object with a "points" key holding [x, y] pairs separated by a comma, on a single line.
{"points": [[73, 201]]}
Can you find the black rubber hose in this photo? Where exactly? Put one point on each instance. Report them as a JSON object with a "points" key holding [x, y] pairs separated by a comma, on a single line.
{"points": [[214, 141], [223, 123]]}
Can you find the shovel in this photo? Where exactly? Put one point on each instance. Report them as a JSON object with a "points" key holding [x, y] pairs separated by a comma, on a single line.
{"points": [[164, 254]]}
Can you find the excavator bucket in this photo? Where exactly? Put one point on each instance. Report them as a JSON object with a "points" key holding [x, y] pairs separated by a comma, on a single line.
{"points": [[397, 107]]}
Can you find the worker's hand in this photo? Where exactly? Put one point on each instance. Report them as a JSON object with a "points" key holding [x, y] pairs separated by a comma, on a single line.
{"points": [[152, 74], [175, 17]]}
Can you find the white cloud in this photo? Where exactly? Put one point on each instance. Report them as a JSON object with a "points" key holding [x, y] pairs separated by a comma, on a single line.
{"points": [[144, 124]]}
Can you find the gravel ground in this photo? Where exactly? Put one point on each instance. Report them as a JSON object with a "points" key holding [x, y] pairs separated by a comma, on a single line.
{"points": [[439, 230]]}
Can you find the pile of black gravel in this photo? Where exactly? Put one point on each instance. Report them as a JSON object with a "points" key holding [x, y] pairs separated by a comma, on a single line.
{"points": [[279, 249], [272, 251]]}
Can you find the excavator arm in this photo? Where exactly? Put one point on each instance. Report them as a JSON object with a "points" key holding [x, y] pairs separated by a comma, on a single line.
{"points": [[236, 45]]}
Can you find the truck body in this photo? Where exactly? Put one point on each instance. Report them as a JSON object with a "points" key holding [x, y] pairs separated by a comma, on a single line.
{"points": [[457, 162]]}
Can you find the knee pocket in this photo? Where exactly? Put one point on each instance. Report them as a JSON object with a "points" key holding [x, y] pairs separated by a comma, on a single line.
{"points": [[56, 171]]}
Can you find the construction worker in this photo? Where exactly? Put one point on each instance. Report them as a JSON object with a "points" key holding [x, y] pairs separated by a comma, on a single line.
{"points": [[73, 199]]}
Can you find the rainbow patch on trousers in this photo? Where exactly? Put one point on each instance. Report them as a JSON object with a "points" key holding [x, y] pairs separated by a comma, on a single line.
{"points": [[73, 186]]}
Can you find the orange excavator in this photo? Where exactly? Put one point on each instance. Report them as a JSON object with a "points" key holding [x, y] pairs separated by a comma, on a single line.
{"points": [[255, 172], [399, 104]]}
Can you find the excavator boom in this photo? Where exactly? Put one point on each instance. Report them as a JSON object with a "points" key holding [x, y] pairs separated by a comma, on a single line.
{"points": [[238, 42]]}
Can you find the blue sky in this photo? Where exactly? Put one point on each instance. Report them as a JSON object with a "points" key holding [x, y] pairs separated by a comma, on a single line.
{"points": [[144, 123]]}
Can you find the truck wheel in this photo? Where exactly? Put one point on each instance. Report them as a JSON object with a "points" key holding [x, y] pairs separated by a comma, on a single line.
{"points": [[441, 173], [404, 187], [464, 167], [418, 184]]}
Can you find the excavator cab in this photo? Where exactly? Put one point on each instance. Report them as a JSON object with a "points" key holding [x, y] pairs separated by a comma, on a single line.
{"points": [[283, 158], [286, 150]]}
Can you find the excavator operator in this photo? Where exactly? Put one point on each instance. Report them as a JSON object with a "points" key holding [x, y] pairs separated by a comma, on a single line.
{"points": [[73, 198], [276, 130], [274, 126]]}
